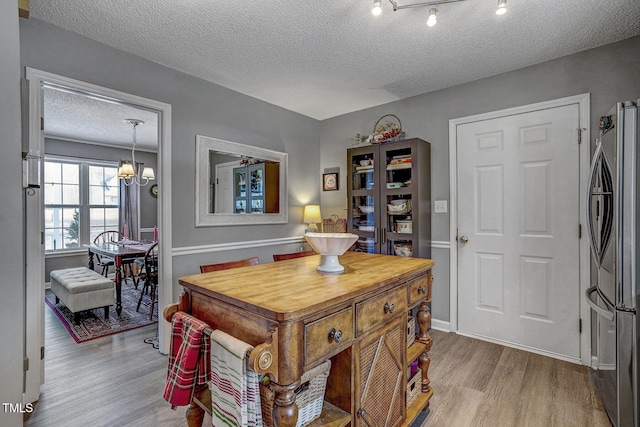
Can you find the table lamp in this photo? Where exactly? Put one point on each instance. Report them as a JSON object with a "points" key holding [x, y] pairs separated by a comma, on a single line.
{"points": [[312, 216]]}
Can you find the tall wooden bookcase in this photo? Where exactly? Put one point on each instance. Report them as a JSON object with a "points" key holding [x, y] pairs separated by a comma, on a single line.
{"points": [[389, 198]]}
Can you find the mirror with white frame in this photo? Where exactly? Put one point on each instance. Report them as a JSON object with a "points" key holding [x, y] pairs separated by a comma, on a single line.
{"points": [[239, 184]]}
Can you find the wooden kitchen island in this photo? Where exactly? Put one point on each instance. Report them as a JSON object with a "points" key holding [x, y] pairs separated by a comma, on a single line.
{"points": [[297, 318]]}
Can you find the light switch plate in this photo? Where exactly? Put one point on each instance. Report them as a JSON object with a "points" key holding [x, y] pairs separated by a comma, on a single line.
{"points": [[440, 206]]}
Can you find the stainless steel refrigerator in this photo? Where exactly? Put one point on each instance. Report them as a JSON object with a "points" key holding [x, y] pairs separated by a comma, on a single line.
{"points": [[614, 229]]}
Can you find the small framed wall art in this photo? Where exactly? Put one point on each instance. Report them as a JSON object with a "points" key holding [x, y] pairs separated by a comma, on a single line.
{"points": [[330, 181]]}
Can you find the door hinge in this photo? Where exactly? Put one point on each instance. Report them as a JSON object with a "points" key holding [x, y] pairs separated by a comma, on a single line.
{"points": [[41, 353], [580, 135], [41, 123], [26, 364], [580, 326], [579, 231]]}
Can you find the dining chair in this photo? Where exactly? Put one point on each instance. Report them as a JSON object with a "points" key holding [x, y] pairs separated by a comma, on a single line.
{"points": [[230, 264], [149, 277], [105, 262], [282, 257]]}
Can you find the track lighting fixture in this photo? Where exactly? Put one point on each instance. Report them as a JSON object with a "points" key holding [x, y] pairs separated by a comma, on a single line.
{"points": [[432, 17], [433, 10], [502, 7], [377, 10]]}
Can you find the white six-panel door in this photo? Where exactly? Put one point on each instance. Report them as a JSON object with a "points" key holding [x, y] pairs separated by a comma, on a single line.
{"points": [[518, 202]]}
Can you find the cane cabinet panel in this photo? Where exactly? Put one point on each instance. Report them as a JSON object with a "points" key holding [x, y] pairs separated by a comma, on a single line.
{"points": [[381, 380]]}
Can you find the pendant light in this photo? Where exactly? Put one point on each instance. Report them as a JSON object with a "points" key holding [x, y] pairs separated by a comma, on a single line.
{"points": [[129, 171]]}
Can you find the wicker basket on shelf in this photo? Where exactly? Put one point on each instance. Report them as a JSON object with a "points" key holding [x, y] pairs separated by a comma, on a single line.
{"points": [[309, 396], [414, 387], [334, 224], [387, 131], [411, 331]]}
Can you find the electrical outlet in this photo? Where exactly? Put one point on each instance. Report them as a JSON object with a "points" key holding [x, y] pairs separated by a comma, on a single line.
{"points": [[440, 206]]}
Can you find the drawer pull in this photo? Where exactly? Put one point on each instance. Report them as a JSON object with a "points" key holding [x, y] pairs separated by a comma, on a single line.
{"points": [[388, 308], [335, 335], [422, 290]]}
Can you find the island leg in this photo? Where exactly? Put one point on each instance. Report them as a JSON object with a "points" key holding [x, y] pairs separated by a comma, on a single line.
{"points": [[285, 410], [194, 415], [424, 319]]}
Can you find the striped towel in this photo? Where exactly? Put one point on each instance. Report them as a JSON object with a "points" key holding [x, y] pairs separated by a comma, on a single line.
{"points": [[235, 393], [188, 359]]}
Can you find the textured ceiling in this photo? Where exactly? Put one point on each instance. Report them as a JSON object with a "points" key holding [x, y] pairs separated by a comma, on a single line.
{"points": [[331, 57], [73, 116]]}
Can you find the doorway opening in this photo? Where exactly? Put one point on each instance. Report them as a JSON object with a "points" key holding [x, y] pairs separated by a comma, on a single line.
{"points": [[33, 92]]}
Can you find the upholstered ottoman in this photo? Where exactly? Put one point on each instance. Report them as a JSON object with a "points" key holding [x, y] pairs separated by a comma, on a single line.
{"points": [[82, 289]]}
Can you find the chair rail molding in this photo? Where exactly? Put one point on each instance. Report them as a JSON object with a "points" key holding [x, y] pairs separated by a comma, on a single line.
{"points": [[230, 246], [440, 244]]}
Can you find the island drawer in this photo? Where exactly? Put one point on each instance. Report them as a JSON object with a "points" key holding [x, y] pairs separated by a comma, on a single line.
{"points": [[379, 309], [327, 334], [419, 289]]}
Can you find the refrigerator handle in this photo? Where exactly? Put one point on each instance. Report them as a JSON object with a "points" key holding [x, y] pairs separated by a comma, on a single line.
{"points": [[590, 225], [607, 313]]}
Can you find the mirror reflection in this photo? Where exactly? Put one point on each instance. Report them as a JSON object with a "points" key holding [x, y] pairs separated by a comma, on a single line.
{"points": [[243, 185], [239, 184]]}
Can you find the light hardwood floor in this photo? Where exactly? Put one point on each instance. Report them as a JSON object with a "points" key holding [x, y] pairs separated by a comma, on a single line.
{"points": [[477, 383], [118, 381], [111, 381]]}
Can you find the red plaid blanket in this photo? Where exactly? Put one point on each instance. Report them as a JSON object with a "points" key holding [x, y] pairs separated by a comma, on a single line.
{"points": [[189, 360]]}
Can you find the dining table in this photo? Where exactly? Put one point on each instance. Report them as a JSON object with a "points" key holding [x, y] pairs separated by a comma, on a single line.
{"points": [[121, 252]]}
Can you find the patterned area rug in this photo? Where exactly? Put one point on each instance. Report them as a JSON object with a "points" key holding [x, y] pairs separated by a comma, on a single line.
{"points": [[92, 323]]}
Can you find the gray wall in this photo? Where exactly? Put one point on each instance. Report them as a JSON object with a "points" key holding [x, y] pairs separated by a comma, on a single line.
{"points": [[11, 251], [609, 73], [148, 204], [198, 107]]}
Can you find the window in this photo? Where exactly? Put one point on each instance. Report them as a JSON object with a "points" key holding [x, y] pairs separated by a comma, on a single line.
{"points": [[80, 201]]}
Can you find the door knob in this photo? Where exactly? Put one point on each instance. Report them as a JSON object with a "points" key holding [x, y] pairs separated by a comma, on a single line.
{"points": [[464, 239]]}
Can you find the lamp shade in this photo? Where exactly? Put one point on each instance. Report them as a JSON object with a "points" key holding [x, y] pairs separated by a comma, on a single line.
{"points": [[311, 214], [148, 173], [126, 170]]}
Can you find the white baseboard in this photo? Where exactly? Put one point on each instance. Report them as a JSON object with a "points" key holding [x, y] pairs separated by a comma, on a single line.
{"points": [[440, 325]]}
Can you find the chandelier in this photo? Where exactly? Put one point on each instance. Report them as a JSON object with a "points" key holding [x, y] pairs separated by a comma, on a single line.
{"points": [[129, 171], [433, 10]]}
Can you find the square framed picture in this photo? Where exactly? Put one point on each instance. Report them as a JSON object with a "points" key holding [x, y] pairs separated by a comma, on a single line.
{"points": [[330, 181]]}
